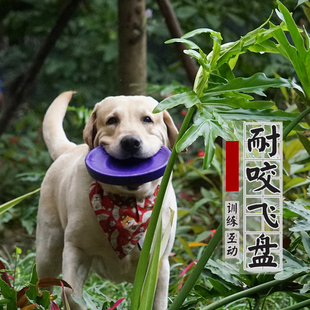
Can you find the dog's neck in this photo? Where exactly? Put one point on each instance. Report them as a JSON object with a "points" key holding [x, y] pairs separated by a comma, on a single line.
{"points": [[145, 190]]}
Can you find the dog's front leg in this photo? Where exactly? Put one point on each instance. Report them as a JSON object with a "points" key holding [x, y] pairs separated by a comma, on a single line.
{"points": [[76, 265], [161, 294]]}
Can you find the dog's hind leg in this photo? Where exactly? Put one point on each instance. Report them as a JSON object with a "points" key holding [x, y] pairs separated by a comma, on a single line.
{"points": [[76, 265], [49, 242], [49, 237]]}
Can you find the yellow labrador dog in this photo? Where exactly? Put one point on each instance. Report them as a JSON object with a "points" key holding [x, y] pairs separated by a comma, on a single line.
{"points": [[70, 237]]}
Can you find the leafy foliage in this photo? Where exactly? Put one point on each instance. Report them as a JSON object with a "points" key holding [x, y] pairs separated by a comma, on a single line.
{"points": [[227, 88], [30, 296]]}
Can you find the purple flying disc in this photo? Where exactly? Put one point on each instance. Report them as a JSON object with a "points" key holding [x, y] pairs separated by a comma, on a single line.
{"points": [[106, 169]]}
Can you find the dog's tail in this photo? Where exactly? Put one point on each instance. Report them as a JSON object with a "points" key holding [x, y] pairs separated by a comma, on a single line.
{"points": [[53, 132]]}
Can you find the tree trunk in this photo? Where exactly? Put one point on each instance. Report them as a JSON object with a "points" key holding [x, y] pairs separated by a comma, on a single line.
{"points": [[132, 47]]}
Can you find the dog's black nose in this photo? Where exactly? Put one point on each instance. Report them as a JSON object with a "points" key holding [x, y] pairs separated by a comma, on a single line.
{"points": [[131, 144]]}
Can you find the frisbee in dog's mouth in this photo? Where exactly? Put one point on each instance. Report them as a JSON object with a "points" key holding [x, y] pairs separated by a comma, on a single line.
{"points": [[130, 173]]}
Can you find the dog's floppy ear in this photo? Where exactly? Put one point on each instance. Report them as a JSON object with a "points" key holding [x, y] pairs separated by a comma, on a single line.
{"points": [[171, 129], [90, 130]]}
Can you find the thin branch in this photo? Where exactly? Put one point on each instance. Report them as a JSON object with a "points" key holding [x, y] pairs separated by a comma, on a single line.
{"points": [[176, 32], [17, 90]]}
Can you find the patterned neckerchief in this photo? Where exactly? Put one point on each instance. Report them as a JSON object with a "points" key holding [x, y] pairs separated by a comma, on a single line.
{"points": [[123, 220]]}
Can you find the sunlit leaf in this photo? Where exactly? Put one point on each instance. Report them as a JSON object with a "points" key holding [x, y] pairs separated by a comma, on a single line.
{"points": [[196, 244], [257, 83], [201, 31], [236, 102], [188, 99], [189, 44], [295, 182], [6, 206]]}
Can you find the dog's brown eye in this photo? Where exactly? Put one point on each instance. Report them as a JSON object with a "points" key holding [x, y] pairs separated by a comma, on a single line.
{"points": [[112, 121], [147, 119]]}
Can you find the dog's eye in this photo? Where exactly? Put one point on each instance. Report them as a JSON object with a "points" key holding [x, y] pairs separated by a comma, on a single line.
{"points": [[112, 121], [147, 119]]}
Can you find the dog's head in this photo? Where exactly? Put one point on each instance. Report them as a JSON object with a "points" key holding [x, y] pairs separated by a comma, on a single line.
{"points": [[126, 127]]}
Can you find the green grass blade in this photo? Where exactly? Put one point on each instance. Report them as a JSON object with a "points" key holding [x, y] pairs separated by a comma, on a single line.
{"points": [[149, 288], [143, 261], [293, 30], [294, 122], [8, 205], [299, 305]]}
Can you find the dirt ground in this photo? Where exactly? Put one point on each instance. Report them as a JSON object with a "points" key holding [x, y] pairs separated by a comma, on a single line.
{"points": [[13, 234]]}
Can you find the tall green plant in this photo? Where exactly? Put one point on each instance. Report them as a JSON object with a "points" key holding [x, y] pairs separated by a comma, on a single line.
{"points": [[219, 98]]}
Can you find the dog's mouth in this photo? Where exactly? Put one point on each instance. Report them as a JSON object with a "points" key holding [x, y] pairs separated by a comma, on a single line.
{"points": [[134, 187]]}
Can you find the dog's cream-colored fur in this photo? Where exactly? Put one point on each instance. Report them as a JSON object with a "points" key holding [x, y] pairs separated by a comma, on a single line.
{"points": [[69, 239]]}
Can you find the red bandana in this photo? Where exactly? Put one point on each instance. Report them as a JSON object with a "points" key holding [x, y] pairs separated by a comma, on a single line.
{"points": [[124, 220]]}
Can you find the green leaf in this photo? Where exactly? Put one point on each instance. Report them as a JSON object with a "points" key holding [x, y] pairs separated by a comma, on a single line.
{"points": [[216, 50], [306, 241], [192, 134], [201, 31], [32, 293], [264, 47], [226, 72], [291, 265], [301, 208], [236, 102], [292, 28], [292, 53], [193, 54], [206, 293], [188, 99], [305, 142], [210, 127], [186, 247], [295, 182], [7, 291], [226, 272], [210, 148], [9, 294], [44, 300], [300, 2], [300, 225], [307, 12], [220, 287], [254, 38], [257, 83], [292, 148], [6, 206], [230, 114], [189, 44], [295, 122]]}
